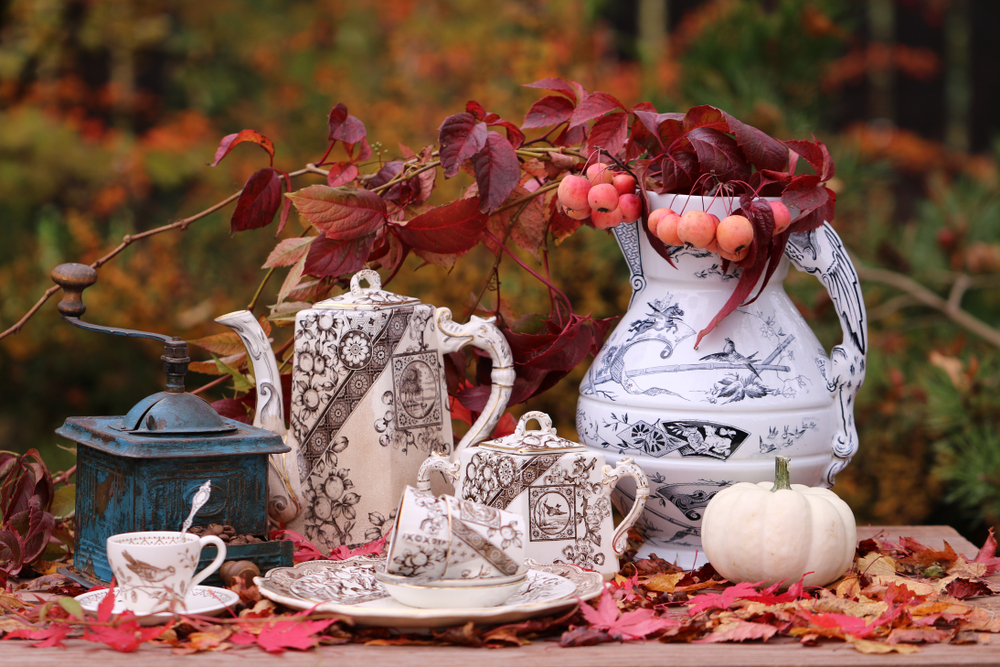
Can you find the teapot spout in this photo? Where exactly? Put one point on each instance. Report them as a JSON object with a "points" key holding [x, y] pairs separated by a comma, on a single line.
{"points": [[284, 477]]}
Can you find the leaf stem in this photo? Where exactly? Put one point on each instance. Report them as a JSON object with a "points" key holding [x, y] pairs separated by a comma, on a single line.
{"points": [[541, 279], [260, 288]]}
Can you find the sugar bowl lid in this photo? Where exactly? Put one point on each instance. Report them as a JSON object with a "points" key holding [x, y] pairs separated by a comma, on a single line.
{"points": [[372, 297], [541, 441]]}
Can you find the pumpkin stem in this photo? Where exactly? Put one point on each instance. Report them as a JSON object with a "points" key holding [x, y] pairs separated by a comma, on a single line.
{"points": [[781, 478]]}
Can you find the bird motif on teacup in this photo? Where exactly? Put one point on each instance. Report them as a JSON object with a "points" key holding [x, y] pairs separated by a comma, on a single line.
{"points": [[145, 571]]}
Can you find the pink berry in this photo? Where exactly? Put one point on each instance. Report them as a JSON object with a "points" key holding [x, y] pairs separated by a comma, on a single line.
{"points": [[734, 233], [578, 213], [655, 216], [735, 256], [782, 216], [666, 231], [599, 173], [607, 220], [573, 191], [631, 207], [697, 228], [603, 197], [624, 184]]}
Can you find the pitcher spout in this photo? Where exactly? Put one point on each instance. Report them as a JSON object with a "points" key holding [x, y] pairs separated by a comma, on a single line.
{"points": [[284, 476]]}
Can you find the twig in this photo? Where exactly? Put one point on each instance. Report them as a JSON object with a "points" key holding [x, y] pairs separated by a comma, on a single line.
{"points": [[950, 307], [129, 239]]}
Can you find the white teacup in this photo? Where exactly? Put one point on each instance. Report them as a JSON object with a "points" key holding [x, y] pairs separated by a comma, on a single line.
{"points": [[155, 569], [447, 538]]}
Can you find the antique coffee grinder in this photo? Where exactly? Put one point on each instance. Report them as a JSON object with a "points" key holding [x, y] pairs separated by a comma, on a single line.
{"points": [[141, 471]]}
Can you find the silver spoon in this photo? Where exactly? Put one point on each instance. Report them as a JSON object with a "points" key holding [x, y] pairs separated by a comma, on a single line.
{"points": [[200, 498]]}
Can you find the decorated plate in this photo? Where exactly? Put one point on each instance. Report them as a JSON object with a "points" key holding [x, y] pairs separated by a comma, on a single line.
{"points": [[348, 588], [203, 600]]}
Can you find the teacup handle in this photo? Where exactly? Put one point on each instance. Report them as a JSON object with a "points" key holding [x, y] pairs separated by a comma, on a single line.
{"points": [[436, 462], [481, 333], [627, 468], [215, 564]]}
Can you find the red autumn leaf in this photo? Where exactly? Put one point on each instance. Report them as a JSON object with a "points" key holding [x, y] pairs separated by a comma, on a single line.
{"points": [[919, 635], [514, 134], [609, 133], [964, 589], [635, 624], [452, 228], [341, 213], [706, 117], [259, 201], [550, 110], [288, 252], [817, 155], [843, 623], [344, 127], [739, 631], [678, 170], [336, 257], [497, 172], [125, 637], [461, 136], [233, 409], [43, 637], [594, 106], [304, 550], [719, 153], [723, 600], [341, 173], [586, 635], [285, 634], [230, 141], [476, 109], [762, 150], [987, 555], [570, 89]]}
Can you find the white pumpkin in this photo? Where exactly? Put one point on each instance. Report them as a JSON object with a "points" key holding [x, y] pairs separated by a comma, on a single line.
{"points": [[764, 532]]}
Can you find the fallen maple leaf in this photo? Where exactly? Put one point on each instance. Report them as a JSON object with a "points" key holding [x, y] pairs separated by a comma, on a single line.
{"points": [[294, 633], [43, 638], [738, 631], [988, 555], [637, 624], [126, 637]]}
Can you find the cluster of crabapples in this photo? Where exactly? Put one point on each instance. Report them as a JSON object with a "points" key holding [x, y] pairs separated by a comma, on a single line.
{"points": [[730, 237], [606, 197]]}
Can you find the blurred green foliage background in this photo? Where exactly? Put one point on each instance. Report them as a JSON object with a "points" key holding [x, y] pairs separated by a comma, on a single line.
{"points": [[111, 110]]}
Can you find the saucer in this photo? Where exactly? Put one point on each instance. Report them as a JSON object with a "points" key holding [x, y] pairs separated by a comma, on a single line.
{"points": [[440, 595], [349, 589], [439, 582], [203, 600]]}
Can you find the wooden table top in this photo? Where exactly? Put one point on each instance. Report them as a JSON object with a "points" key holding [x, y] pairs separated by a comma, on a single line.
{"points": [[548, 653]]}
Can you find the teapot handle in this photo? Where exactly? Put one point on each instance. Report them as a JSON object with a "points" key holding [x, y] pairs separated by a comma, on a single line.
{"points": [[481, 333], [626, 467], [436, 462], [820, 252]]}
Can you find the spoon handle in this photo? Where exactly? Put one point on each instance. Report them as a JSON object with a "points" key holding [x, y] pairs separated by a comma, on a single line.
{"points": [[200, 498]]}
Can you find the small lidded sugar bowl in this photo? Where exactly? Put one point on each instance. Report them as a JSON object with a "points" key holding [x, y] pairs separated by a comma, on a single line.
{"points": [[561, 488]]}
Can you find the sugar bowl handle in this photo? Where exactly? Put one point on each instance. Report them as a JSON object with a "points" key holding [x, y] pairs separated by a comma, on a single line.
{"points": [[627, 468], [436, 462]]}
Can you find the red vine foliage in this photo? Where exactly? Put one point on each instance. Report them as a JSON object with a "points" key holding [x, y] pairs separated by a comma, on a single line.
{"points": [[375, 217]]}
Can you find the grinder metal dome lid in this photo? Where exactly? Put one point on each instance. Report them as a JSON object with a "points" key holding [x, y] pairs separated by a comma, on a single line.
{"points": [[544, 440]]}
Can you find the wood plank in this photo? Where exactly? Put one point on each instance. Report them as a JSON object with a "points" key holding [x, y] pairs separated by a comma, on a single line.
{"points": [[779, 652]]}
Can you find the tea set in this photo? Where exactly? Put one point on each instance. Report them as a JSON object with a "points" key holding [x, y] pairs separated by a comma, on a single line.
{"points": [[369, 454]]}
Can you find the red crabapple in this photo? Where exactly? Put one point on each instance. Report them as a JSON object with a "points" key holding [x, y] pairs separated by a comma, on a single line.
{"points": [[655, 216], [735, 256], [697, 228], [782, 216], [599, 173], [666, 231], [573, 192], [607, 219], [631, 207], [734, 233], [624, 184], [603, 197], [578, 213]]}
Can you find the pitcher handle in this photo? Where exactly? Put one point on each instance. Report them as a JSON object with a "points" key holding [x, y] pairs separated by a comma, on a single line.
{"points": [[481, 333], [436, 462], [626, 467], [820, 252]]}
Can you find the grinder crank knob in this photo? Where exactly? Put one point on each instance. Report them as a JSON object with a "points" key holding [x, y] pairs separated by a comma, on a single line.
{"points": [[73, 278]]}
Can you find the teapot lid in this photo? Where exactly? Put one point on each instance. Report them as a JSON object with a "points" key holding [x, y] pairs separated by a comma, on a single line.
{"points": [[541, 441], [372, 297]]}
